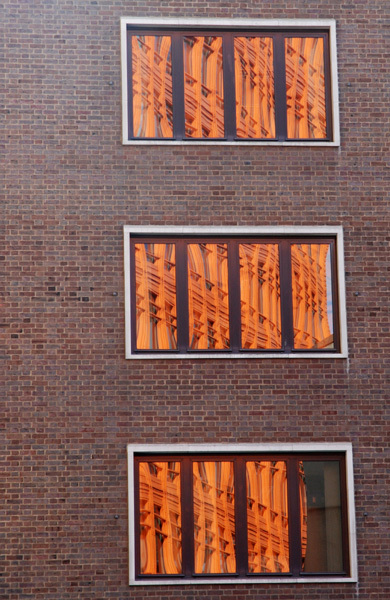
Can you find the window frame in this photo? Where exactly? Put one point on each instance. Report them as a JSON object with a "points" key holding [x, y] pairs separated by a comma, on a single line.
{"points": [[261, 26], [305, 451], [311, 234]]}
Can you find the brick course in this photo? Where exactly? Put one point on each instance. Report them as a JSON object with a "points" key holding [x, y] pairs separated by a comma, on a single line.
{"points": [[72, 401]]}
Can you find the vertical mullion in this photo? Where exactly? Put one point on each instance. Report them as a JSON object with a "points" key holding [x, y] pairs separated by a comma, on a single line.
{"points": [[178, 85], [294, 516], [229, 86], [280, 87], [286, 303], [234, 295], [187, 518], [130, 132], [241, 516], [182, 296]]}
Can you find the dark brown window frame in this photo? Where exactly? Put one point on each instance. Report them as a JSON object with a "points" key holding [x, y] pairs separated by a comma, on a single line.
{"points": [[228, 34], [239, 459], [233, 242]]}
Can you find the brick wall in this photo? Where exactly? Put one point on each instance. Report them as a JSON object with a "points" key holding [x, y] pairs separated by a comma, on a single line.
{"points": [[72, 401]]}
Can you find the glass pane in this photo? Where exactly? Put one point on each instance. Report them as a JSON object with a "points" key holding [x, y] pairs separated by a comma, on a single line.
{"points": [[305, 83], [254, 78], [155, 282], [152, 86], [160, 518], [214, 524], [321, 532], [260, 296], [267, 514], [203, 87], [312, 296], [208, 302]]}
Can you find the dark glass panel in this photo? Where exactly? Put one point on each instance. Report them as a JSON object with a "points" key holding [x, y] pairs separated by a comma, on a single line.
{"points": [[321, 533], [267, 514], [155, 280], [160, 518], [214, 520], [260, 296], [254, 80], [152, 86], [312, 296], [305, 83], [208, 302], [203, 87]]}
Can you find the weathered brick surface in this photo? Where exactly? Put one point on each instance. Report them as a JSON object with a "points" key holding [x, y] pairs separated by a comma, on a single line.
{"points": [[72, 402]]}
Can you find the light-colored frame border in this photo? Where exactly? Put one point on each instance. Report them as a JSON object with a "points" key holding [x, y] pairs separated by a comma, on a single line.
{"points": [[310, 24], [336, 231], [181, 449]]}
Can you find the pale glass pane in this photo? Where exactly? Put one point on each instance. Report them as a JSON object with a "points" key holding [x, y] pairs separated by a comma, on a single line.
{"points": [[203, 87], [208, 302], [267, 514], [214, 521], [160, 518], [152, 86], [312, 296], [321, 511], [155, 281], [305, 83], [260, 296], [254, 80]]}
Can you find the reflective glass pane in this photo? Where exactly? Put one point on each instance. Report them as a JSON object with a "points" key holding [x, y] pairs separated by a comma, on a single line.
{"points": [[321, 531], [305, 83], [152, 86], [214, 523], [267, 514], [155, 282], [208, 302], [160, 518], [312, 296], [203, 87], [254, 80], [260, 296]]}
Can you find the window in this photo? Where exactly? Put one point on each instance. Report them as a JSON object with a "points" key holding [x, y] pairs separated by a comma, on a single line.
{"points": [[227, 81], [244, 292], [241, 513]]}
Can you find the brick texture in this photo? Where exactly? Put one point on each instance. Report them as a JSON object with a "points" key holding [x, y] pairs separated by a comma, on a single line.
{"points": [[72, 401]]}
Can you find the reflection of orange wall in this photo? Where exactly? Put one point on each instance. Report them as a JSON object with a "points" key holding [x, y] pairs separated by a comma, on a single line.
{"points": [[254, 80], [203, 87], [155, 296], [160, 518], [208, 300], [305, 81], [310, 295], [260, 296], [152, 86]]}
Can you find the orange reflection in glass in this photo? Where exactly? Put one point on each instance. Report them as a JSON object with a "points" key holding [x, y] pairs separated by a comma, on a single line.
{"points": [[160, 518], [267, 514], [255, 96], [152, 86], [260, 296], [203, 87], [155, 281], [208, 303], [214, 521], [312, 296], [305, 82]]}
